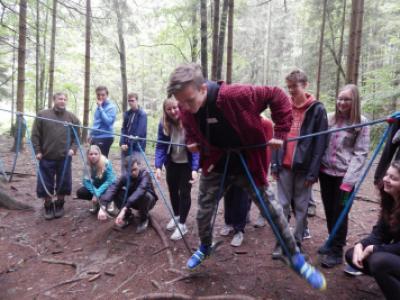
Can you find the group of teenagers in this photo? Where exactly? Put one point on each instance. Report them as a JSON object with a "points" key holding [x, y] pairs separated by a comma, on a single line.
{"points": [[216, 127]]}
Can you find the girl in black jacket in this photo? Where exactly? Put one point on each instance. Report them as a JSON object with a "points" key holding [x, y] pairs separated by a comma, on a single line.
{"points": [[378, 255]]}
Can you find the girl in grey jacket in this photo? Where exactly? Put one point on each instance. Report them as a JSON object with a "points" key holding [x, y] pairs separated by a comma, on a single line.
{"points": [[341, 167]]}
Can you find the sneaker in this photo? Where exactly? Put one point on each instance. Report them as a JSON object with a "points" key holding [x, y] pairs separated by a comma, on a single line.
{"points": [[324, 250], [226, 230], [352, 271], [306, 234], [142, 226], [112, 209], [277, 252], [48, 210], [237, 239], [260, 222], [123, 225], [171, 224], [58, 208], [314, 277], [331, 260], [95, 208], [177, 234], [198, 257], [312, 211]]}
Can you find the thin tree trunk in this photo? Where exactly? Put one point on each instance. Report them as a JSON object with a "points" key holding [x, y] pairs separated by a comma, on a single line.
{"points": [[221, 39], [86, 91], [354, 52], [37, 74], [122, 55], [42, 84], [215, 41], [13, 88], [203, 34], [52, 54], [269, 43], [340, 54], [321, 48], [195, 39], [229, 50]]}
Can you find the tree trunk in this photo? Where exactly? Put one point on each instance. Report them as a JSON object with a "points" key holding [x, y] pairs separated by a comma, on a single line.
{"points": [[37, 74], [215, 41], [122, 55], [354, 52], [7, 202], [195, 39], [13, 88], [221, 39], [86, 91], [229, 50], [43, 64], [321, 48], [203, 34], [340, 54], [52, 54]]}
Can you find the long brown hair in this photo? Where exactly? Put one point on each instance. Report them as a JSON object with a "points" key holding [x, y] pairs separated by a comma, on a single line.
{"points": [[167, 122], [390, 207], [355, 111]]}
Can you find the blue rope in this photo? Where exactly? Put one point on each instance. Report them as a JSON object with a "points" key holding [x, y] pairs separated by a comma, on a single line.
{"points": [[17, 147], [38, 172], [349, 202], [265, 208], [163, 196], [221, 189], [67, 157], [128, 181]]}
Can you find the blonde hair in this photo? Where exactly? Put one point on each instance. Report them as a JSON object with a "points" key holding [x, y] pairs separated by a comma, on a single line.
{"points": [[101, 165], [167, 122], [355, 111]]}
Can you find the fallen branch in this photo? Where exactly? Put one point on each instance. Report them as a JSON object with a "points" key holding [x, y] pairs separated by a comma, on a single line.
{"points": [[160, 250], [60, 262], [163, 238], [138, 270], [186, 276], [167, 296]]}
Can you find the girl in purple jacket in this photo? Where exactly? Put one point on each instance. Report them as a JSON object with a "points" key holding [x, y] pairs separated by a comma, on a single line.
{"points": [[181, 165]]}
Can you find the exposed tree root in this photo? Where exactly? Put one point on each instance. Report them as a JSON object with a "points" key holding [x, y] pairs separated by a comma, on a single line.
{"points": [[157, 228], [8, 202], [174, 296]]}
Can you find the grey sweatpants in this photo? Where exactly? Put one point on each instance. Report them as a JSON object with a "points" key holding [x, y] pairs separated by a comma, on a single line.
{"points": [[290, 187], [207, 201]]}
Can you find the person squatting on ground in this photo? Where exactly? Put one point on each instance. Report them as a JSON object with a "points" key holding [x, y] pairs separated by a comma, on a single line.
{"points": [[217, 117], [296, 165], [134, 124], [181, 166], [104, 118], [341, 167], [101, 177], [378, 254], [49, 140], [237, 203], [133, 190]]}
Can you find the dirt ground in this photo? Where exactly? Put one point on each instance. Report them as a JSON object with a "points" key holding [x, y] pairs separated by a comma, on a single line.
{"points": [[78, 257]]}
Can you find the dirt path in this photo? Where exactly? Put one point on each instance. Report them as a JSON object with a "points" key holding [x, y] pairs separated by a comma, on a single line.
{"points": [[77, 257]]}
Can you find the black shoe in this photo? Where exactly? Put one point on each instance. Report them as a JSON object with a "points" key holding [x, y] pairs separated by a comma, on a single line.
{"points": [[49, 210], [95, 208], [324, 250], [58, 208], [331, 260]]}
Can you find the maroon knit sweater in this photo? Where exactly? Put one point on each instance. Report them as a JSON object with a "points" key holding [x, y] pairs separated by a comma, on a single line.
{"points": [[242, 105]]}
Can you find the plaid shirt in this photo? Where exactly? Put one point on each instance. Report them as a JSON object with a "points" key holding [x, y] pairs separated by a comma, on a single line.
{"points": [[242, 105]]}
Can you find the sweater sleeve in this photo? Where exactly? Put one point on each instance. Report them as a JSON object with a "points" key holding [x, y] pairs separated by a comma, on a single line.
{"points": [[122, 140], [109, 179], [393, 248], [378, 235], [141, 130], [281, 109], [108, 114], [75, 121], [387, 154], [161, 149], [112, 191], [360, 153], [90, 186], [140, 190], [36, 135]]}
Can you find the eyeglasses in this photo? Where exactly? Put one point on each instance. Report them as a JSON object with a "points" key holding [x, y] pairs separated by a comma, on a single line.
{"points": [[344, 99], [132, 100]]}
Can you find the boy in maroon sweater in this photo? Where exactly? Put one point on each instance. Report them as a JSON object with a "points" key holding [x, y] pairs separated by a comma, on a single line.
{"points": [[218, 117]]}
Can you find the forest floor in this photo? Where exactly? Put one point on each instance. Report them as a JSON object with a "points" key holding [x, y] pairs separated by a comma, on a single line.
{"points": [[78, 257]]}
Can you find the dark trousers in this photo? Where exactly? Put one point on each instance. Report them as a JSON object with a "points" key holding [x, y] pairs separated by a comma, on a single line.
{"points": [[178, 177], [84, 193], [144, 204], [237, 204], [51, 171], [332, 198], [384, 267], [104, 144]]}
